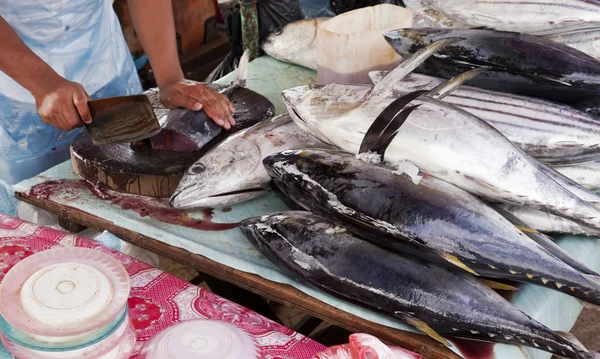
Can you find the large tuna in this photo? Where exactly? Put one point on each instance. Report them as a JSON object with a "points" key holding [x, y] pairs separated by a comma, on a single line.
{"points": [[516, 63], [432, 299], [432, 219], [439, 138], [551, 132]]}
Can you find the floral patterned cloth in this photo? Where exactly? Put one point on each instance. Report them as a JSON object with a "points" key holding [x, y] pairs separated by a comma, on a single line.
{"points": [[157, 299]]}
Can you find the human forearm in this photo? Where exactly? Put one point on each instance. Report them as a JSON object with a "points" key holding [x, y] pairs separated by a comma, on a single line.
{"points": [[60, 103], [21, 64], [155, 28]]}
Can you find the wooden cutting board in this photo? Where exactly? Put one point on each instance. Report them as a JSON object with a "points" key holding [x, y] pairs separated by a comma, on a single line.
{"points": [[143, 171]]}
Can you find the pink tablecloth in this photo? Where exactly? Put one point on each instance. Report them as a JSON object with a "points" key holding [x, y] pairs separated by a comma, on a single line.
{"points": [[158, 299]]}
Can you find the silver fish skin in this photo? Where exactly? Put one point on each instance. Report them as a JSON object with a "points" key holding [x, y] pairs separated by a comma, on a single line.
{"points": [[587, 42], [441, 139], [295, 43], [232, 172], [530, 17], [423, 295], [551, 132], [587, 174], [547, 222], [433, 220]]}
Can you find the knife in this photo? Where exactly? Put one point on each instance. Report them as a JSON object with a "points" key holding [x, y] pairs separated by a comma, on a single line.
{"points": [[121, 119]]}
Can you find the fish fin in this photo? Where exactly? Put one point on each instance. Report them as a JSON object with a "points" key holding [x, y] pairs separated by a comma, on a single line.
{"points": [[552, 79], [455, 261], [425, 328], [483, 184], [241, 75], [497, 285], [445, 88], [373, 135], [392, 130], [377, 76], [409, 64]]}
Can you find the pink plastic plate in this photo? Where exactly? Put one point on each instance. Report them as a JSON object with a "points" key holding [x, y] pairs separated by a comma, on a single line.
{"points": [[201, 339], [120, 345], [64, 292]]}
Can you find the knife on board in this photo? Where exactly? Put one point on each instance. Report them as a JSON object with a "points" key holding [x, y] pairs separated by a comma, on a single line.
{"points": [[121, 119]]}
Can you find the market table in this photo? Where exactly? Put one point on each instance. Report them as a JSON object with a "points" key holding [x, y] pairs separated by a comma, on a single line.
{"points": [[210, 241], [157, 299]]}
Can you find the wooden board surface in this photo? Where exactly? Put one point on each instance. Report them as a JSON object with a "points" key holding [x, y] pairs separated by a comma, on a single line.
{"points": [[143, 171], [278, 292]]}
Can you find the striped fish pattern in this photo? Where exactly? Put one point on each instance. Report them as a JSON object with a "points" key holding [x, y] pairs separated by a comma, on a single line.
{"points": [[551, 132]]}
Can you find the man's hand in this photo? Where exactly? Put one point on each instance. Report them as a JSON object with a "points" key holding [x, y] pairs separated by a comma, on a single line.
{"points": [[63, 104], [196, 96]]}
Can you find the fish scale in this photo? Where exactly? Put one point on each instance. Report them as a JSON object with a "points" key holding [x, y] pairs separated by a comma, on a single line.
{"points": [[430, 298]]}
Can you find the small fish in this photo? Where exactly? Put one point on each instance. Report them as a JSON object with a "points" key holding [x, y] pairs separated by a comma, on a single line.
{"points": [[365, 346], [295, 43], [439, 138], [232, 172], [520, 16], [551, 132], [434, 300], [517, 63], [586, 174], [432, 219]]}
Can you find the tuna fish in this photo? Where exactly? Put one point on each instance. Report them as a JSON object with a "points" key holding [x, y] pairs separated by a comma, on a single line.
{"points": [[548, 223], [520, 16], [432, 219], [432, 299], [439, 138], [586, 174], [194, 131], [295, 42], [232, 172], [365, 346], [515, 63], [551, 132]]}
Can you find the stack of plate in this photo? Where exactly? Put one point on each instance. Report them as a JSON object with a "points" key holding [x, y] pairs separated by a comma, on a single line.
{"points": [[201, 339], [66, 303]]}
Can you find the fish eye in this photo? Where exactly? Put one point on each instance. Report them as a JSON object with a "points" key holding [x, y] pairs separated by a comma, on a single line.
{"points": [[197, 168], [278, 31]]}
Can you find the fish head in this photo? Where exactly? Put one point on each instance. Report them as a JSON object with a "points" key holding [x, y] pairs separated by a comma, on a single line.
{"points": [[408, 41], [230, 173], [294, 42]]}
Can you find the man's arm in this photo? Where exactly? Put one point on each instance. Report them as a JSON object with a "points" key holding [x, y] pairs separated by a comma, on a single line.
{"points": [[59, 102], [155, 28]]}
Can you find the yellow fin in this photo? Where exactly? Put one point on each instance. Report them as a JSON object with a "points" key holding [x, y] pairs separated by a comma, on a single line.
{"points": [[422, 326], [526, 230], [457, 262], [497, 285]]}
